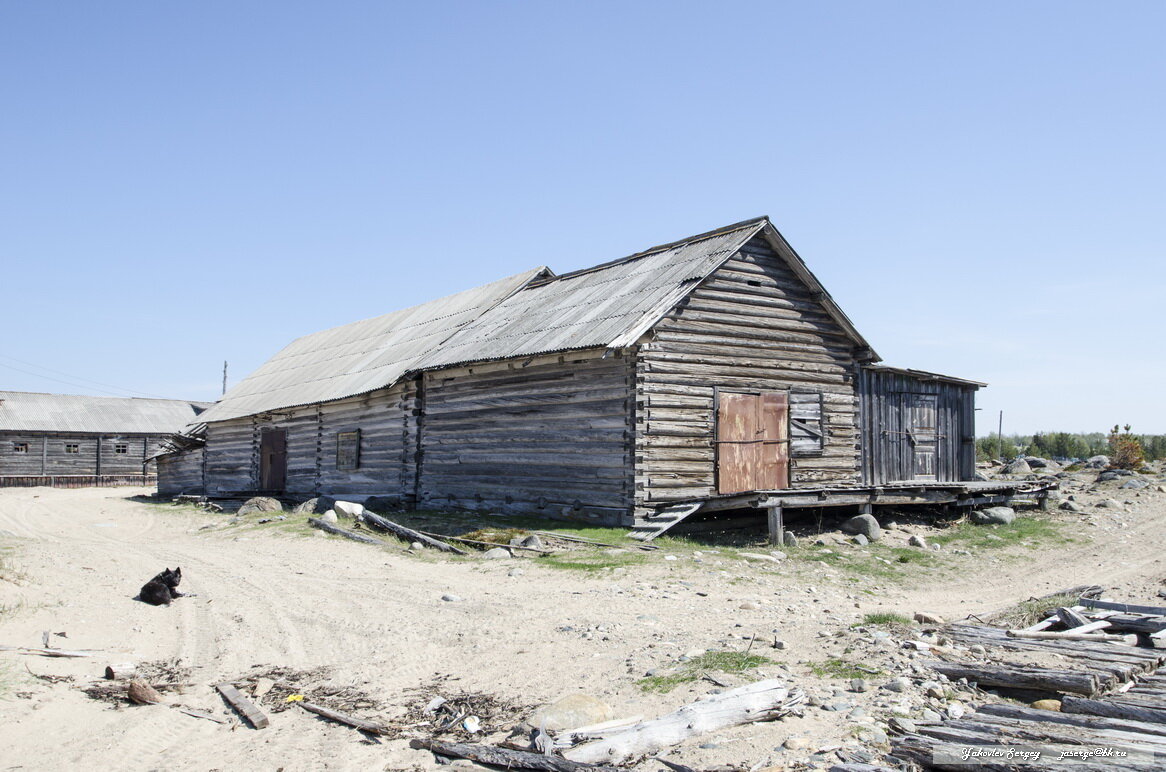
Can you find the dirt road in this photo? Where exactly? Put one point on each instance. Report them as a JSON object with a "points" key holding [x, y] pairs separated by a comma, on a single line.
{"points": [[376, 619]]}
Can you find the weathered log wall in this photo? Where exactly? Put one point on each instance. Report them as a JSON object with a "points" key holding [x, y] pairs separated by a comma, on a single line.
{"points": [[551, 438], [182, 472], [751, 325], [45, 453]]}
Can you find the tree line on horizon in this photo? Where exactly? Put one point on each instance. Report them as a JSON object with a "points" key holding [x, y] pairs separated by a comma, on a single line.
{"points": [[1072, 446]]}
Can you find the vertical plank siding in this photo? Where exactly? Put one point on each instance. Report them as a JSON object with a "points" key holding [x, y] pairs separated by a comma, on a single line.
{"points": [[751, 325], [887, 450], [552, 439], [183, 472]]}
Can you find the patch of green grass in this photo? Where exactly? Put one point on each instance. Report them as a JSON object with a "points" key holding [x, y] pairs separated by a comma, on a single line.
{"points": [[1032, 532], [875, 561], [591, 561], [1030, 612], [710, 661], [885, 619], [839, 668]]}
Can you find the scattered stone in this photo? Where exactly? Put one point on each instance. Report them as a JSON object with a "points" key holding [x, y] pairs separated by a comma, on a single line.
{"points": [[416, 546], [1109, 504], [917, 541], [1097, 462], [903, 725], [866, 525], [749, 606], [348, 509], [324, 503], [1054, 705], [872, 735], [1071, 506], [515, 572], [795, 743], [927, 714], [306, 508], [498, 553], [956, 710], [924, 618], [259, 504], [1135, 484], [858, 685], [994, 516], [860, 540], [1036, 462], [759, 556], [330, 517], [450, 598], [789, 539], [976, 648], [571, 712], [900, 684]]}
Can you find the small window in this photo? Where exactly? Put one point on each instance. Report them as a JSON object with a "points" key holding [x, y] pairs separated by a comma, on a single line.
{"points": [[20, 447], [807, 426], [348, 449], [121, 448], [72, 447]]}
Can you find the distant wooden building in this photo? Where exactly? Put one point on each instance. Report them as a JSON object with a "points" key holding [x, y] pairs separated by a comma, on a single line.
{"points": [[706, 368], [71, 441]]}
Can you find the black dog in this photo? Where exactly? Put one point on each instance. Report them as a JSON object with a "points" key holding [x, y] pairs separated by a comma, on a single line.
{"points": [[162, 589]]}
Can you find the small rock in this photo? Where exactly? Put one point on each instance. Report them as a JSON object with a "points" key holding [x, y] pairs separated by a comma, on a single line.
{"points": [[416, 546], [899, 684], [306, 508], [749, 606], [1097, 462], [860, 540], [903, 725], [324, 503], [795, 743], [330, 517], [927, 714], [956, 710], [515, 572], [450, 598], [789, 539], [1109, 504], [976, 648], [917, 541], [1018, 467], [1135, 484], [498, 553], [1054, 705], [1071, 506], [924, 618], [759, 557], [571, 712], [858, 685], [348, 509]]}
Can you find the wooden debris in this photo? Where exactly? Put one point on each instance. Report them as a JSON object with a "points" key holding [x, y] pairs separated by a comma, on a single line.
{"points": [[316, 522], [141, 693], [594, 542], [121, 671], [248, 709], [463, 540], [1069, 635], [408, 534], [1070, 618], [761, 701], [506, 758], [200, 714], [1020, 677], [335, 715]]}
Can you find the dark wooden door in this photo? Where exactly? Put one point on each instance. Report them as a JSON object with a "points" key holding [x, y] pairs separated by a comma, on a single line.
{"points": [[272, 459], [752, 442], [923, 435]]}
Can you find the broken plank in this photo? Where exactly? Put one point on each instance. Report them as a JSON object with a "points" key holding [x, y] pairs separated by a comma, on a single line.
{"points": [[247, 709], [1069, 635], [1020, 677], [47, 652], [506, 758], [408, 534], [343, 718], [1070, 618], [1128, 608]]}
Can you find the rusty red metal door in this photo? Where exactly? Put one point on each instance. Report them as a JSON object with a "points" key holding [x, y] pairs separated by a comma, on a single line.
{"points": [[752, 442], [272, 459]]}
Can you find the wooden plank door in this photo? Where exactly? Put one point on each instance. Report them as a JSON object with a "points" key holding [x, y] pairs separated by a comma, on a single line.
{"points": [[752, 442], [272, 459], [923, 435]]}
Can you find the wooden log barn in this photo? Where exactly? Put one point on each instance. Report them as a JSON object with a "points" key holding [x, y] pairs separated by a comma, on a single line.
{"points": [[711, 373], [70, 441]]}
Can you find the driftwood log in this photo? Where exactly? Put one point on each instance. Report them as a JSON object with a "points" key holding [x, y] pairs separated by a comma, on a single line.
{"points": [[343, 718], [506, 758], [408, 534], [48, 652], [1020, 677], [142, 693], [120, 671], [761, 701], [316, 522]]}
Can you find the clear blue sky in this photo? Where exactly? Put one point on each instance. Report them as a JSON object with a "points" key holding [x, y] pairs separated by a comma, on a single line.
{"points": [[979, 185]]}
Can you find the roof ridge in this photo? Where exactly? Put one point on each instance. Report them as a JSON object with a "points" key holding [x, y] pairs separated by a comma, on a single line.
{"points": [[742, 225], [103, 396]]}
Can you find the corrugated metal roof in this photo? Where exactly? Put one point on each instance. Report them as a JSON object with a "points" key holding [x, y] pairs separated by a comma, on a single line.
{"points": [[359, 357], [610, 305], [597, 307], [33, 412]]}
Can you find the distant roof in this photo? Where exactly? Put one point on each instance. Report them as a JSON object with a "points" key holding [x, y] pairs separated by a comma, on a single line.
{"points": [[923, 375], [609, 305], [35, 412]]}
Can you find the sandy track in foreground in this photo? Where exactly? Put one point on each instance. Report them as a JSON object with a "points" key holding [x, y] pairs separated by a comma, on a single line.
{"points": [[376, 617]]}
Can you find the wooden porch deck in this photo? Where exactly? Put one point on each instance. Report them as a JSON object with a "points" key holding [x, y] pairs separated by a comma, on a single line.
{"points": [[971, 493]]}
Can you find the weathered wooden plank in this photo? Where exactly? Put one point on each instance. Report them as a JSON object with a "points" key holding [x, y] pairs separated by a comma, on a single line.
{"points": [[246, 708]]}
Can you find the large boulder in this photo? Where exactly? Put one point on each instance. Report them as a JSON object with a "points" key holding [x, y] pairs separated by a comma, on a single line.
{"points": [[865, 525], [382, 504], [306, 508], [994, 516], [1018, 467], [571, 712], [1097, 462], [1036, 462], [260, 504], [348, 509], [323, 504]]}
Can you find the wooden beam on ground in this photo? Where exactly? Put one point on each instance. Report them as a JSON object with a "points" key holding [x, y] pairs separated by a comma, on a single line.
{"points": [[344, 718], [506, 758], [408, 534], [316, 522], [1020, 677], [246, 708]]}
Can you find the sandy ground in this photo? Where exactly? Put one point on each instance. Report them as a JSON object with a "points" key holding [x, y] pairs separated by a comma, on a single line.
{"points": [[376, 619]]}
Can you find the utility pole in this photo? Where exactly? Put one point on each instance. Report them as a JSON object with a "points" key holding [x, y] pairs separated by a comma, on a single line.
{"points": [[999, 428], [224, 376]]}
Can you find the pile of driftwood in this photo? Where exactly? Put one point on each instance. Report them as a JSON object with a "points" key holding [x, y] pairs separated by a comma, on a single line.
{"points": [[1110, 683]]}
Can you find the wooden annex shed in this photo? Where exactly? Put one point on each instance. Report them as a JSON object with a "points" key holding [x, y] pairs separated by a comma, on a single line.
{"points": [[71, 441], [707, 368]]}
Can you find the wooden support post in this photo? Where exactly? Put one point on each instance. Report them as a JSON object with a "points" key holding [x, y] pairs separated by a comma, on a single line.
{"points": [[865, 509], [776, 526], [1042, 499]]}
